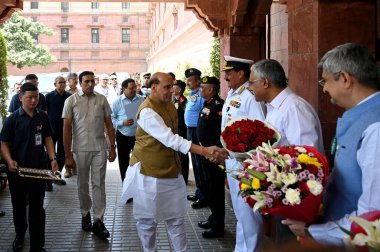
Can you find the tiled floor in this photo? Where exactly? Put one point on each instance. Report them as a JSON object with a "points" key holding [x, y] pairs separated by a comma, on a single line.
{"points": [[63, 223]]}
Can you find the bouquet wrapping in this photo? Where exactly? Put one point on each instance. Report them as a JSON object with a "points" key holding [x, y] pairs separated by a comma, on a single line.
{"points": [[365, 231], [242, 136], [286, 181]]}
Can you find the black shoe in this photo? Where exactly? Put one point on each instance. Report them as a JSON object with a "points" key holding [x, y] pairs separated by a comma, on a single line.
{"points": [[37, 250], [130, 200], [49, 187], [212, 234], [100, 230], [86, 222], [2, 213], [204, 224], [18, 243], [192, 197], [199, 204]]}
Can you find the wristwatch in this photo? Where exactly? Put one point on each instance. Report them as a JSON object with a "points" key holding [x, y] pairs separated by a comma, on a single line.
{"points": [[307, 232], [113, 145], [54, 158]]}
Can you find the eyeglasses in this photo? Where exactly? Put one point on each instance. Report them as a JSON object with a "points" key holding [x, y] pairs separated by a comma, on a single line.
{"points": [[62, 82], [251, 82], [134, 88], [113, 79], [322, 82]]}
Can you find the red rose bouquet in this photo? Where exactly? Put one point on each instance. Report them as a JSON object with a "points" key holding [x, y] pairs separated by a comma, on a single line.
{"points": [[286, 181], [243, 135], [365, 231]]}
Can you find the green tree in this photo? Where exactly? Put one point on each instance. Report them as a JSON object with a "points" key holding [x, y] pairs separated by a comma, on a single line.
{"points": [[3, 78], [21, 36], [215, 58]]}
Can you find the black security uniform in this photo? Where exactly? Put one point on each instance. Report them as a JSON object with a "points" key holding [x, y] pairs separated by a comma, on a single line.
{"points": [[26, 136], [180, 105], [209, 131], [54, 105]]}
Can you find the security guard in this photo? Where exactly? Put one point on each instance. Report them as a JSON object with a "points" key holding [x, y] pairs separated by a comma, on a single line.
{"points": [[208, 132], [193, 107]]}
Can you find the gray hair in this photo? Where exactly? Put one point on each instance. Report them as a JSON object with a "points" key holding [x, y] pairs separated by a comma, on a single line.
{"points": [[356, 60], [271, 70]]}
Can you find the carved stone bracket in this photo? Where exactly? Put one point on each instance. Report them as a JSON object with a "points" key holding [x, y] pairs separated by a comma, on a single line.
{"points": [[231, 17], [7, 7]]}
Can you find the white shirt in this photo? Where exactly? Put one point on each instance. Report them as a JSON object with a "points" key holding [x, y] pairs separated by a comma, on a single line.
{"points": [[295, 119], [241, 102], [156, 198], [108, 92]]}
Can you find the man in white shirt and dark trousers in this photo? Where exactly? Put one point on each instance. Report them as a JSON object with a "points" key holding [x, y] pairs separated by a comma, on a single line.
{"points": [[291, 115], [240, 102], [351, 77], [124, 121]]}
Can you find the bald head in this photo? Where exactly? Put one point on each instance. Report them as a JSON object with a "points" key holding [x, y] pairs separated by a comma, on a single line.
{"points": [[161, 85]]}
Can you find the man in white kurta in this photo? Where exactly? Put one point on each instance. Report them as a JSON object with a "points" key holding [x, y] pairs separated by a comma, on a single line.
{"points": [[241, 103], [291, 115], [154, 178]]}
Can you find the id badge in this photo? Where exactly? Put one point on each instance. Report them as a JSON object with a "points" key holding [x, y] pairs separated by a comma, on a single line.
{"points": [[38, 139]]}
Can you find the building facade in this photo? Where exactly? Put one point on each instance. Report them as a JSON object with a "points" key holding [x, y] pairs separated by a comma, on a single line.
{"points": [[178, 40], [104, 37]]}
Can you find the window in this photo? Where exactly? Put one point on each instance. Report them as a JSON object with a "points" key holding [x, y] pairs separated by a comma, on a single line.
{"points": [[34, 5], [125, 5], [64, 35], [125, 19], [95, 35], [94, 5], [125, 35], [64, 6]]}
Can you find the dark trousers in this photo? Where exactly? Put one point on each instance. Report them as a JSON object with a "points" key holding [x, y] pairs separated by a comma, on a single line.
{"points": [[216, 184], [125, 145], [57, 137], [184, 158], [35, 189], [199, 175]]}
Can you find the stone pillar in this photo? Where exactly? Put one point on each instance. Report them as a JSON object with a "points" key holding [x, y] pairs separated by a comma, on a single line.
{"points": [[316, 27]]}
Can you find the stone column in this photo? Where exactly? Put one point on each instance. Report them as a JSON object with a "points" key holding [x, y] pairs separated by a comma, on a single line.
{"points": [[316, 27]]}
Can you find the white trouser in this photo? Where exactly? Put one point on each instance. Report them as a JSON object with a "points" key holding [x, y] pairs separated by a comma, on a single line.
{"points": [[249, 226], [96, 163], [147, 233]]}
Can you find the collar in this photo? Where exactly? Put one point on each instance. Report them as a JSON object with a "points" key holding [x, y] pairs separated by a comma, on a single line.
{"points": [[123, 97], [81, 93], [280, 98], [193, 92], [22, 111]]}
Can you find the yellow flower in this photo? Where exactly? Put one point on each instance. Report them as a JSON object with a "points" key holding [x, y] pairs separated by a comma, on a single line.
{"points": [[255, 183], [306, 159], [245, 186]]}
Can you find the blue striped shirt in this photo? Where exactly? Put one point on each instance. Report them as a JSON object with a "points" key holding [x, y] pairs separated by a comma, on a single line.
{"points": [[124, 108]]}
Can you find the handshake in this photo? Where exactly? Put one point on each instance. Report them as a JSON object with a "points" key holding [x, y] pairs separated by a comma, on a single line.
{"points": [[215, 154]]}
